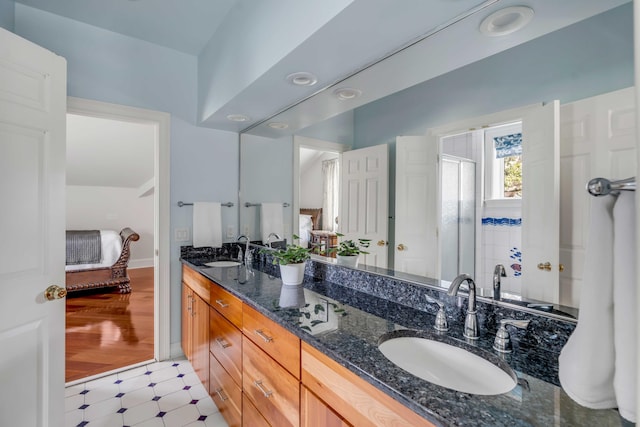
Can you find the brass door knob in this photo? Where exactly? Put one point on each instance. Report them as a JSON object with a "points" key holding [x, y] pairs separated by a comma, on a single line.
{"points": [[546, 266], [381, 243], [401, 247], [55, 292]]}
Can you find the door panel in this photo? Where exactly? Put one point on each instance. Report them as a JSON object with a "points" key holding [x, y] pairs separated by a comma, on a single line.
{"points": [[541, 202], [32, 250], [416, 224], [364, 207]]}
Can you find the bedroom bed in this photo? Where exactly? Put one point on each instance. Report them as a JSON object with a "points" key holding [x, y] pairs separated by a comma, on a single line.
{"points": [[99, 259]]}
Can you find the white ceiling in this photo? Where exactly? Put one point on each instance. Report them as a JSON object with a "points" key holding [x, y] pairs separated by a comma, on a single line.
{"points": [[362, 32], [184, 25], [109, 153]]}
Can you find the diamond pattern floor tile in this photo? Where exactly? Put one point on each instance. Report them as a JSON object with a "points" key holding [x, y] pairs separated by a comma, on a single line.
{"points": [[164, 394]]}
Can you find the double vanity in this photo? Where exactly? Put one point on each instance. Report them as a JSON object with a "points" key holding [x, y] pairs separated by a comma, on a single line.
{"points": [[354, 348]]}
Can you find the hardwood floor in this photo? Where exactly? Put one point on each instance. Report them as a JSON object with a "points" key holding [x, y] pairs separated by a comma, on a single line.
{"points": [[106, 331]]}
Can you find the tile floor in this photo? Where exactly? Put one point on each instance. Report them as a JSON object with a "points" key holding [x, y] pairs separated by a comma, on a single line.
{"points": [[162, 394]]}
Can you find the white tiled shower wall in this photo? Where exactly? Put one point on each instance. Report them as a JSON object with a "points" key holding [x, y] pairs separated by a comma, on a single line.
{"points": [[501, 243]]}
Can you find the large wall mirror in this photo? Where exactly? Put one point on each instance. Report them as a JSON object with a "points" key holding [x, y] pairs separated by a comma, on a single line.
{"points": [[453, 141]]}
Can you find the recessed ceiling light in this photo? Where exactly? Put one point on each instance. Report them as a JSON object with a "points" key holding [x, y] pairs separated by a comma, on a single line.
{"points": [[347, 93], [238, 118], [506, 21], [278, 125], [302, 79]]}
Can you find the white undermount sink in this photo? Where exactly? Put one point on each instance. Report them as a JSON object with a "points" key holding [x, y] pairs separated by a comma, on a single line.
{"points": [[223, 264], [448, 366]]}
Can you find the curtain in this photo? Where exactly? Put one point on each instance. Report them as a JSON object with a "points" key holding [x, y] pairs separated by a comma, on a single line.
{"points": [[508, 145], [330, 185]]}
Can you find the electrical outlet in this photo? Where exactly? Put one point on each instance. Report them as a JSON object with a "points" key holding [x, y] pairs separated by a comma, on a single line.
{"points": [[230, 232], [181, 234], [245, 230]]}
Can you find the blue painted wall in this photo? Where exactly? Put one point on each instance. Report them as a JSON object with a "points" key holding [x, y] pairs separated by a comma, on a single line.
{"points": [[110, 67], [7, 8]]}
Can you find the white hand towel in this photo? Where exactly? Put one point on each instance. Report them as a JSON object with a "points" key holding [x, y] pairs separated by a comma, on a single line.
{"points": [[271, 220], [624, 300], [207, 225], [586, 363]]}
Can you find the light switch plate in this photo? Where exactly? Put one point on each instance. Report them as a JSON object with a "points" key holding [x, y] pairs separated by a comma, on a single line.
{"points": [[182, 234], [230, 232]]}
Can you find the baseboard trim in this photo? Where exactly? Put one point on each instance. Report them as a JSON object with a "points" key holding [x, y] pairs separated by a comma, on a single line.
{"points": [[140, 263]]}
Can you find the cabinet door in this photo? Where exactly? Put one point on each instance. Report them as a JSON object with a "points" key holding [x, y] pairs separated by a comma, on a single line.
{"points": [[226, 344], [187, 300], [250, 415], [226, 394], [315, 413], [273, 391], [200, 337]]}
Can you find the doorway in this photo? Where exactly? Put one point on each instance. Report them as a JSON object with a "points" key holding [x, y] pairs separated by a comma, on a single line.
{"points": [[146, 204]]}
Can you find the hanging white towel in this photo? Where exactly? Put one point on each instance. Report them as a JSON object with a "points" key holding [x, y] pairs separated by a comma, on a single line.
{"points": [[271, 220], [586, 363], [207, 225], [624, 300]]}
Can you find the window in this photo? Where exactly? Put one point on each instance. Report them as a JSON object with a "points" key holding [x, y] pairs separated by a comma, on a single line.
{"points": [[503, 161]]}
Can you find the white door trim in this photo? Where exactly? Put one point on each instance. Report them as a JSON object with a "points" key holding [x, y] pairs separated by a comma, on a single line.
{"points": [[162, 282]]}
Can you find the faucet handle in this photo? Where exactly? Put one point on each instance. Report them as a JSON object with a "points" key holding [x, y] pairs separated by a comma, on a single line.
{"points": [[441, 324], [502, 342]]}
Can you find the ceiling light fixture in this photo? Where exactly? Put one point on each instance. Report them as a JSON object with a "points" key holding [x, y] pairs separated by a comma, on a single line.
{"points": [[238, 118], [506, 21], [278, 125], [302, 78], [347, 93]]}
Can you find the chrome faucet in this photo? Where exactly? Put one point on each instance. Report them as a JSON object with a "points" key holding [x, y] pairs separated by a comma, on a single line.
{"points": [[471, 321], [269, 239], [498, 272], [246, 247]]}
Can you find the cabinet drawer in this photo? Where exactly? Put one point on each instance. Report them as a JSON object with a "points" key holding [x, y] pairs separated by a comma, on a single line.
{"points": [[226, 304], [273, 391], [225, 344], [279, 343], [250, 415], [225, 393], [360, 403], [197, 282]]}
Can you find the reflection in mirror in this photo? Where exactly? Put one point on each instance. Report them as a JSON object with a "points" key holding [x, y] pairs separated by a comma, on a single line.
{"points": [[586, 81]]}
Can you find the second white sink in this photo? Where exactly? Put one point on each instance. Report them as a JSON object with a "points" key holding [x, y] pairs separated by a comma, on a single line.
{"points": [[448, 366], [222, 264]]}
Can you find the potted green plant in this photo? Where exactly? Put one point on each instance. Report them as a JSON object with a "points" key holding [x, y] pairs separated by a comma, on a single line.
{"points": [[292, 261], [348, 251]]}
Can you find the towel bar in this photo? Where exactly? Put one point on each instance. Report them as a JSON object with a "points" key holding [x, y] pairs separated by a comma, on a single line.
{"points": [[248, 205], [181, 204], [602, 186]]}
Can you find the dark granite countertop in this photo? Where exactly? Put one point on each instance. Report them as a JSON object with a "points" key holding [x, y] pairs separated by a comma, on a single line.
{"points": [[346, 325]]}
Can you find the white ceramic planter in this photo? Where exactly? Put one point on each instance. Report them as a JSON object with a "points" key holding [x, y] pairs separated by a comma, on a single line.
{"points": [[292, 274], [292, 297], [348, 260]]}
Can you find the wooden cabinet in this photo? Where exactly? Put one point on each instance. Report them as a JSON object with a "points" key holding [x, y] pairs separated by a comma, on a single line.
{"points": [[226, 394], [226, 344], [353, 399], [273, 390], [276, 341], [250, 415], [315, 413], [195, 322]]}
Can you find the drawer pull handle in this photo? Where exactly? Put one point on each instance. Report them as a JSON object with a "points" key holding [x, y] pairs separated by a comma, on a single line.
{"points": [[266, 393], [262, 335], [222, 303], [222, 343], [220, 395]]}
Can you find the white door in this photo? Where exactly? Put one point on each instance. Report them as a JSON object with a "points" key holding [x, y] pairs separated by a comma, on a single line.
{"points": [[541, 203], [416, 222], [597, 139], [32, 248], [364, 200]]}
